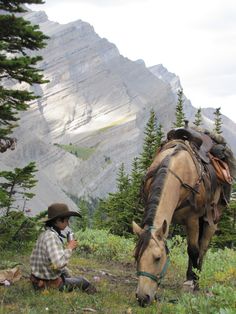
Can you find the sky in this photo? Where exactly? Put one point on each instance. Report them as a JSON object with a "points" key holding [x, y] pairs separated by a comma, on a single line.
{"points": [[196, 40]]}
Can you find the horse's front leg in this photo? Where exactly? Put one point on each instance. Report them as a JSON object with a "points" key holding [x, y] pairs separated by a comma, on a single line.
{"points": [[192, 230]]}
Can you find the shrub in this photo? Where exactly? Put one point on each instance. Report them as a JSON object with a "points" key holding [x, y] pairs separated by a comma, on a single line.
{"points": [[103, 245], [217, 269], [220, 300], [17, 230]]}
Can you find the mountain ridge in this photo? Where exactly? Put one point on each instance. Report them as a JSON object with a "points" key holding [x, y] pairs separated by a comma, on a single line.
{"points": [[96, 100]]}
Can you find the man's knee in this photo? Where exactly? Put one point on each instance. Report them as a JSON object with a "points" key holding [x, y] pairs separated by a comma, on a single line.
{"points": [[81, 283]]}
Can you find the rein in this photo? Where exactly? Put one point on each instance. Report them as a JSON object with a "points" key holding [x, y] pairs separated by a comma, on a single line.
{"points": [[197, 165], [185, 185], [156, 278]]}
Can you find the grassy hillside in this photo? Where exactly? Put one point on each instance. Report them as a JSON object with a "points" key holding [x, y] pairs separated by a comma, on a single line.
{"points": [[80, 152], [113, 273]]}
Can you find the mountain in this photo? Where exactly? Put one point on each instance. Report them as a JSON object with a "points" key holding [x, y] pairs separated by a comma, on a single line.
{"points": [[228, 126], [97, 103], [162, 73]]}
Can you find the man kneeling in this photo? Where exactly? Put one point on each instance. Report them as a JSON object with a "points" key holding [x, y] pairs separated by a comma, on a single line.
{"points": [[49, 257]]}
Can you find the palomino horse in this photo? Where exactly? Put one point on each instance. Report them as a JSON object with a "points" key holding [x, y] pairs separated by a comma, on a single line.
{"points": [[180, 188]]}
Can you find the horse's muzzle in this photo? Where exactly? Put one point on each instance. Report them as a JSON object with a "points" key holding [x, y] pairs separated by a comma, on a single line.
{"points": [[143, 301]]}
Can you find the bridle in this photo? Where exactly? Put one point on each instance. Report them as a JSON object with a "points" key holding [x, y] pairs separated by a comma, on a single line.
{"points": [[156, 278]]}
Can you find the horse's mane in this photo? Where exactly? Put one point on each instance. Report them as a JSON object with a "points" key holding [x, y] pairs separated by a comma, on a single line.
{"points": [[142, 244], [151, 201]]}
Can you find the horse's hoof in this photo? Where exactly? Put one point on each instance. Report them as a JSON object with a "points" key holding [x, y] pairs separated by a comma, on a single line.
{"points": [[188, 286]]}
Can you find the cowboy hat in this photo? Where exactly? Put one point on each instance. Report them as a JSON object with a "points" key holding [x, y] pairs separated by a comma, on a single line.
{"points": [[60, 210]]}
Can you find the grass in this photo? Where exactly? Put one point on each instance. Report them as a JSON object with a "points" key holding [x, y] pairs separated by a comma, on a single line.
{"points": [[79, 151], [115, 283], [113, 124], [115, 279], [85, 152]]}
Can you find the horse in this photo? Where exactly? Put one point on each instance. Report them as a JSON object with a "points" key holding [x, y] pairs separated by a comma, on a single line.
{"points": [[181, 186]]}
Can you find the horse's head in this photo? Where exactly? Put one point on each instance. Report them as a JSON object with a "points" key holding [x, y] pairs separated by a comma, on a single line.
{"points": [[151, 255]]}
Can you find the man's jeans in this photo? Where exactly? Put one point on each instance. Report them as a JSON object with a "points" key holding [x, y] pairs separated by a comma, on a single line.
{"points": [[73, 283]]}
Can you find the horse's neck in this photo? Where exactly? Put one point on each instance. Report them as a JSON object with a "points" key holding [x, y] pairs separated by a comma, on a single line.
{"points": [[172, 195], [168, 202]]}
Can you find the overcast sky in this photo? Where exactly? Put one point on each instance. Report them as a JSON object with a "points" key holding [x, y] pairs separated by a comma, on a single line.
{"points": [[195, 39]]}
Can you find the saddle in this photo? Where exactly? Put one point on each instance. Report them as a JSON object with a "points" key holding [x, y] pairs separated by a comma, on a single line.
{"points": [[208, 150], [221, 169], [202, 142]]}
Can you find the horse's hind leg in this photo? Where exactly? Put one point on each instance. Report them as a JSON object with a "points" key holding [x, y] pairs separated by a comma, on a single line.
{"points": [[204, 241], [192, 229]]}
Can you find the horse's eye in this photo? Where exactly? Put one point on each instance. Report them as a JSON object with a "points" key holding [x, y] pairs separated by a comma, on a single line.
{"points": [[157, 259]]}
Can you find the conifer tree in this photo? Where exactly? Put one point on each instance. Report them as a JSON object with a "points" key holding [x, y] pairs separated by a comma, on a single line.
{"points": [[123, 206], [135, 176], [134, 192], [15, 186], [160, 135], [150, 142], [3, 198], [122, 180], [218, 121], [112, 213], [198, 117], [226, 231], [179, 111], [18, 38]]}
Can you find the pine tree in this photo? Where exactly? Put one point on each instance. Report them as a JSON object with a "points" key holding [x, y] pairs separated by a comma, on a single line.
{"points": [[3, 198], [87, 207], [113, 212], [123, 206], [18, 38], [160, 135], [122, 181], [179, 112], [198, 117], [15, 186], [226, 231], [135, 205], [150, 142], [218, 121]]}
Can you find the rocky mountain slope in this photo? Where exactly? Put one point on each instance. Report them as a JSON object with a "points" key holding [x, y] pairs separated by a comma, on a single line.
{"points": [[98, 102]]}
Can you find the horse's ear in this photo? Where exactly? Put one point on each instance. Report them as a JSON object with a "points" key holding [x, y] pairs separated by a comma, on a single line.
{"points": [[160, 233], [136, 229], [164, 227]]}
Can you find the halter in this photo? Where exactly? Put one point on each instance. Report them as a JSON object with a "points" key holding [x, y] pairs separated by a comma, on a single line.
{"points": [[156, 278]]}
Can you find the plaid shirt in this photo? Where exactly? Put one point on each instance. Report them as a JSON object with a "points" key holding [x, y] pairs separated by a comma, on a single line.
{"points": [[49, 258]]}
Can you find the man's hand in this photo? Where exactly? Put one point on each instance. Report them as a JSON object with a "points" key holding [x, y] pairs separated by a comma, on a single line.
{"points": [[72, 244]]}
